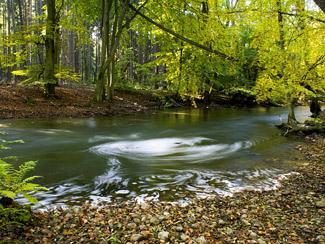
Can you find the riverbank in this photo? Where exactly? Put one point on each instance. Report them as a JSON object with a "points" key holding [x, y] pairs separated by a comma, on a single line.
{"points": [[295, 213], [19, 102]]}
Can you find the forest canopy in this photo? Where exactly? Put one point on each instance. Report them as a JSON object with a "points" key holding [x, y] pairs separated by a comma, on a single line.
{"points": [[273, 50]]}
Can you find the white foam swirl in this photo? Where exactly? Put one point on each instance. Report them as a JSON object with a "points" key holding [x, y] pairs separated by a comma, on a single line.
{"points": [[193, 150]]}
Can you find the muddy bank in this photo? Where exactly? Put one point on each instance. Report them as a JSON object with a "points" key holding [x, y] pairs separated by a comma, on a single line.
{"points": [[295, 213], [28, 102]]}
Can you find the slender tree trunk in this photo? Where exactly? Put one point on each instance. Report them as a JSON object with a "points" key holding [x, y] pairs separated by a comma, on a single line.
{"points": [[110, 87], [111, 33], [50, 58], [291, 113], [14, 47], [40, 48], [281, 25], [100, 81], [9, 11]]}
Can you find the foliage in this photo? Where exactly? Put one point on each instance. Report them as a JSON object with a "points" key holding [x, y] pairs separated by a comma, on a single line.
{"points": [[14, 181], [14, 217], [315, 122], [241, 95], [67, 75], [33, 75], [274, 49]]}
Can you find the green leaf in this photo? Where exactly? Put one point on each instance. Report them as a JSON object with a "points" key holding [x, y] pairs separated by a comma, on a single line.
{"points": [[30, 198], [7, 193]]}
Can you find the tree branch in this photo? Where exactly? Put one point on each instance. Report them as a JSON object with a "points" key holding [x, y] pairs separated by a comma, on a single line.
{"points": [[128, 21], [183, 38], [319, 61], [307, 16], [282, 12], [320, 4]]}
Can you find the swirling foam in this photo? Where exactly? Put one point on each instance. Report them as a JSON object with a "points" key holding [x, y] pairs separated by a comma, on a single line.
{"points": [[193, 150]]}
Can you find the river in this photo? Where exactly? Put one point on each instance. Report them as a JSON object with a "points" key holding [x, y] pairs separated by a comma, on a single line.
{"points": [[167, 155]]}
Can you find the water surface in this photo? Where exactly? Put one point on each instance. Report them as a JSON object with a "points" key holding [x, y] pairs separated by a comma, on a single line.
{"points": [[167, 155]]}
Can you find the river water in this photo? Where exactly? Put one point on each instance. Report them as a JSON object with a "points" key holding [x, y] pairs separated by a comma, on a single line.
{"points": [[167, 155]]}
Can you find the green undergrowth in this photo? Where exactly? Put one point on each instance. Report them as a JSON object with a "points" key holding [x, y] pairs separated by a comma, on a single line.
{"points": [[16, 182]]}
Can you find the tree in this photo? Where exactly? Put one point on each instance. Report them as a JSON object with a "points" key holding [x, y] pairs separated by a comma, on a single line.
{"points": [[50, 52], [288, 59], [191, 48], [113, 18]]}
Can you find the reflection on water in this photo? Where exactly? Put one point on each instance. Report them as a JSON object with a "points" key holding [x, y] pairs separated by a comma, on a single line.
{"points": [[168, 155]]}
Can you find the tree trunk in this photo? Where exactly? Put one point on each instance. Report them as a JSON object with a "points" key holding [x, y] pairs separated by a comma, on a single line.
{"points": [[100, 79], [111, 79], [292, 121], [315, 108], [112, 25], [50, 58], [9, 12], [40, 48]]}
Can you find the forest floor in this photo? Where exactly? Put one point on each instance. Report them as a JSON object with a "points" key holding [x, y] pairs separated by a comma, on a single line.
{"points": [[18, 102], [294, 213], [28, 102]]}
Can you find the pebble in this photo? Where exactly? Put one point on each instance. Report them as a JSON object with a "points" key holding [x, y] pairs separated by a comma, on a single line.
{"points": [[272, 229], [163, 235], [199, 209], [145, 206], [146, 234], [321, 203], [201, 240], [132, 226], [167, 215], [179, 228], [154, 220], [221, 222], [229, 231], [261, 241], [245, 222], [184, 237], [136, 237], [142, 227], [252, 234], [136, 220]]}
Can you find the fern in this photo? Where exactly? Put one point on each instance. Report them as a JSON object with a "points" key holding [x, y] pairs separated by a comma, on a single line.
{"points": [[13, 181]]}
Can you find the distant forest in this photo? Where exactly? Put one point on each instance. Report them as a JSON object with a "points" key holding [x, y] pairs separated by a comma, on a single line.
{"points": [[273, 50]]}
